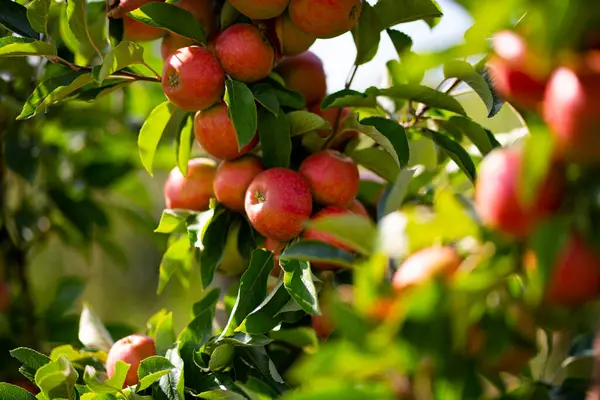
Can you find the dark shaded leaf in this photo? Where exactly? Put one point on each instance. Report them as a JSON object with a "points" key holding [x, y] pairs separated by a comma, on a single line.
{"points": [[274, 134]]}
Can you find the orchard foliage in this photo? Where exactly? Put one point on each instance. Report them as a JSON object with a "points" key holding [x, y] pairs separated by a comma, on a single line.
{"points": [[381, 244]]}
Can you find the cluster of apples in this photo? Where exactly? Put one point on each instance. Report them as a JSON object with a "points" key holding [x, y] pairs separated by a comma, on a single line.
{"points": [[567, 100]]}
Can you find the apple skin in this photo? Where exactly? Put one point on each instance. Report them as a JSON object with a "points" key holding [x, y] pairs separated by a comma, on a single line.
{"points": [[171, 43], [330, 115], [275, 247], [496, 193], [332, 177], [132, 349], [202, 10], [216, 134], [571, 105], [260, 9], [304, 73], [278, 203], [244, 52], [5, 297], [291, 39], [575, 278], [517, 74], [325, 18], [358, 208], [424, 265], [233, 178], [322, 326], [192, 192], [193, 79], [136, 31]]}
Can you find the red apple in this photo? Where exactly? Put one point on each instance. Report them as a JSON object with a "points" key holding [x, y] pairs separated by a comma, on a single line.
{"points": [[426, 264], [133, 350], [304, 73], [233, 178], [315, 234], [278, 203], [192, 192]]}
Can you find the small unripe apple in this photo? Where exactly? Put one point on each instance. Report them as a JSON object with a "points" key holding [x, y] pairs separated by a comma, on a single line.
{"points": [[193, 79], [292, 40], [232, 263], [332, 177], [245, 53], [517, 74], [425, 265], [304, 73], [136, 31], [325, 18], [192, 192], [496, 193], [260, 9], [233, 178], [278, 203], [575, 276], [312, 233], [132, 349], [216, 134], [571, 105]]}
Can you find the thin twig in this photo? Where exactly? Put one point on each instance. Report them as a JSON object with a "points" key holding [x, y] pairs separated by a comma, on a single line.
{"points": [[424, 108], [336, 124], [351, 76], [87, 32], [153, 71], [119, 74]]}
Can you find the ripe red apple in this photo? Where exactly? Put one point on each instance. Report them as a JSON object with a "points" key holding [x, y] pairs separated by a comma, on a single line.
{"points": [[426, 264], [233, 178], [132, 349], [575, 277], [304, 73], [192, 192], [5, 297], [323, 326], [136, 31], [496, 193], [278, 203], [333, 177], [325, 18], [171, 43], [291, 39], [245, 53], [517, 73], [260, 9], [358, 208], [193, 79], [571, 109], [216, 134], [312, 233]]}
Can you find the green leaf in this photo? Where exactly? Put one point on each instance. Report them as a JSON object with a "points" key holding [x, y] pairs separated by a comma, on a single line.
{"points": [[302, 336], [12, 46], [274, 134], [57, 379], [221, 357], [119, 57], [152, 369], [184, 142], [396, 195], [242, 110], [77, 18], [402, 42], [13, 392], [454, 151], [538, 156], [302, 122], [378, 161], [425, 95], [14, 17], [38, 13], [92, 332], [220, 395], [252, 290], [475, 132], [207, 302], [390, 14], [311, 250], [498, 101], [354, 231], [98, 382], [245, 339], [299, 284], [287, 97], [164, 336], [547, 241], [214, 240], [31, 360], [164, 119], [382, 139], [395, 133], [366, 34], [199, 330], [172, 18], [258, 359], [466, 72], [173, 384], [178, 257], [68, 291], [267, 315], [348, 98], [171, 220], [265, 95]]}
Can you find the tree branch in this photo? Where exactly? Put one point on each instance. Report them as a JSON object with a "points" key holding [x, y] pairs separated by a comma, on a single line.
{"points": [[118, 74]]}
